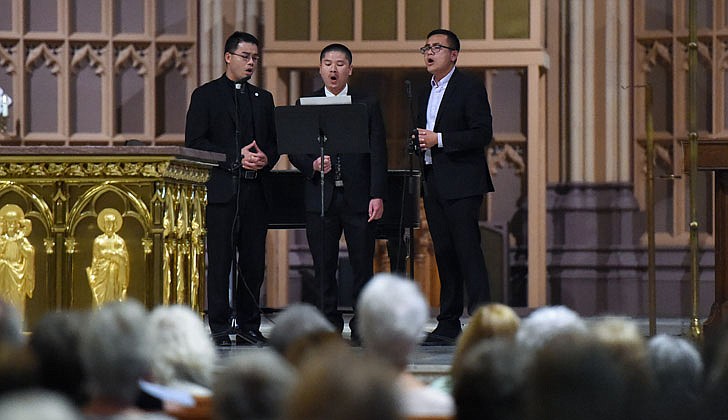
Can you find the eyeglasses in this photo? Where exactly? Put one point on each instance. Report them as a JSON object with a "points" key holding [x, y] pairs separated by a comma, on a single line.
{"points": [[434, 48], [247, 56]]}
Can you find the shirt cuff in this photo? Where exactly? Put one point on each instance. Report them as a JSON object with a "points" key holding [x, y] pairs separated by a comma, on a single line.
{"points": [[439, 139]]}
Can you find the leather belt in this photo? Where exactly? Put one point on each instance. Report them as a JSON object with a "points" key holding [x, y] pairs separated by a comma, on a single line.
{"points": [[250, 174]]}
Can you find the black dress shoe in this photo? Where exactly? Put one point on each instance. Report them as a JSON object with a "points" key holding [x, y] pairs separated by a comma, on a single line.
{"points": [[222, 340], [438, 340], [250, 338]]}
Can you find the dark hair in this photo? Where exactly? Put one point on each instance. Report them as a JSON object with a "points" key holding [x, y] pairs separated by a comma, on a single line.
{"points": [[236, 38], [451, 37], [337, 47]]}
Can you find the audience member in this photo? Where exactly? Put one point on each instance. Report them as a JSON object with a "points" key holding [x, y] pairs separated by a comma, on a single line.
{"points": [[55, 343], [18, 369], [678, 372], [493, 320], [297, 320], [11, 325], [572, 376], [336, 384], [626, 345], [116, 355], [489, 380], [35, 404], [310, 344], [716, 375], [392, 313], [253, 386], [543, 324], [183, 355]]}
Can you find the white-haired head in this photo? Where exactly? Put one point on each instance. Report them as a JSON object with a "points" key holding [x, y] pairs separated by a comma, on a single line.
{"points": [[181, 347], [545, 323], [391, 314]]}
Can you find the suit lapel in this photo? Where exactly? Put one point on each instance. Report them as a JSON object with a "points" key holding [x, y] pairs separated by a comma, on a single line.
{"points": [[447, 97]]}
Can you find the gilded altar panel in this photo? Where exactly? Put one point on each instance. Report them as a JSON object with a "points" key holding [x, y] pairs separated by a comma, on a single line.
{"points": [[80, 226]]}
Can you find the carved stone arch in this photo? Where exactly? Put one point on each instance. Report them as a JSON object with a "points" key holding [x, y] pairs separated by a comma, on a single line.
{"points": [[87, 53], [7, 58], [657, 51], [173, 57], [131, 56], [504, 154], [81, 209], [43, 55]]}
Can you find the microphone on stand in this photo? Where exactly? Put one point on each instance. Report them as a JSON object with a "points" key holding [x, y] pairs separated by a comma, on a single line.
{"points": [[413, 145]]}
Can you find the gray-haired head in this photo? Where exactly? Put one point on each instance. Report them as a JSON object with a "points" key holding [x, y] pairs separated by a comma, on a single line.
{"points": [[252, 386], [675, 362], [115, 352], [294, 322], [391, 314]]}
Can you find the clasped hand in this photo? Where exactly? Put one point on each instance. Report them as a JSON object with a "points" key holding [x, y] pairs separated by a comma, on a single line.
{"points": [[253, 159]]}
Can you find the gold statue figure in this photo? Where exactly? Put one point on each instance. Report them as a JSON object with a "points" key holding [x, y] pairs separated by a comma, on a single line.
{"points": [[108, 275], [17, 257]]}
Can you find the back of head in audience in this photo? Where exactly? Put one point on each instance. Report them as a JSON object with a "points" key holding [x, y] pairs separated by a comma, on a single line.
{"points": [[716, 374], [115, 352], [182, 352], [310, 344], [493, 320], [625, 343], [18, 369], [337, 384], [391, 313], [573, 377], [297, 320], [252, 386], [678, 371], [11, 325], [546, 322], [489, 380], [55, 343], [35, 404]]}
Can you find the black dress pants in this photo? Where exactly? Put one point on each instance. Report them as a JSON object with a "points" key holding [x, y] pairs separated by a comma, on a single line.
{"points": [[236, 229]]}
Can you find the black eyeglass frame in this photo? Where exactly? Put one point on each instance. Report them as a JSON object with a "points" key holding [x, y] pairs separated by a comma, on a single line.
{"points": [[248, 57], [434, 48]]}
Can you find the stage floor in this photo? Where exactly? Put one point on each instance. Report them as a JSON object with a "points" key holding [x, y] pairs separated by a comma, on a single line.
{"points": [[431, 362]]}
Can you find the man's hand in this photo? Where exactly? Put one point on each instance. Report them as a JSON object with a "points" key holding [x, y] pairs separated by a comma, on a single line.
{"points": [[253, 159], [327, 164], [376, 209], [427, 138]]}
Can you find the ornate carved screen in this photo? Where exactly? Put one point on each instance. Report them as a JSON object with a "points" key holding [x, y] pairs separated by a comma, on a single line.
{"points": [[83, 225]]}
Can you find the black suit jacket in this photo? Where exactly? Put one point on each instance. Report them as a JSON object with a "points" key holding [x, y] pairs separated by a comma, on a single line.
{"points": [[464, 119], [211, 126], [364, 175]]}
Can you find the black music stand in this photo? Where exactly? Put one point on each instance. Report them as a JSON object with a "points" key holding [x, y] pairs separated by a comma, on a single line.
{"points": [[322, 129]]}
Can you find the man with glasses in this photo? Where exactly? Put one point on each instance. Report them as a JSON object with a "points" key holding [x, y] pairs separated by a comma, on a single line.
{"points": [[454, 126], [229, 115]]}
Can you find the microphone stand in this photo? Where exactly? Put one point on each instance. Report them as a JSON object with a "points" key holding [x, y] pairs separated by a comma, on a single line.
{"points": [[412, 149]]}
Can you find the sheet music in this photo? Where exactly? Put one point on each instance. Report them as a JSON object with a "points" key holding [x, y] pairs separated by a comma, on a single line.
{"points": [[326, 100]]}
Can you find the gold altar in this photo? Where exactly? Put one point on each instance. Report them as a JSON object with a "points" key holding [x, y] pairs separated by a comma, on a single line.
{"points": [[87, 224]]}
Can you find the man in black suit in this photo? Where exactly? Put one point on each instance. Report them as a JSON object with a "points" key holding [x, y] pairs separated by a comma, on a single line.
{"points": [[354, 187], [455, 123], [228, 115]]}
